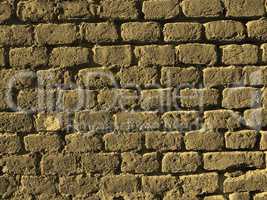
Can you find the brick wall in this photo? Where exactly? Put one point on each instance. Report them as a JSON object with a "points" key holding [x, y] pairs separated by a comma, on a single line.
{"points": [[133, 99]]}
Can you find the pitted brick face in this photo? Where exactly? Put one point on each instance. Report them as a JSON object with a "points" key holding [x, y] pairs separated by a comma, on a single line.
{"points": [[133, 99]]}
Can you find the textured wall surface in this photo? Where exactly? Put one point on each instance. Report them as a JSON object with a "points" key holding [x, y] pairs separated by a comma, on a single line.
{"points": [[133, 100]]}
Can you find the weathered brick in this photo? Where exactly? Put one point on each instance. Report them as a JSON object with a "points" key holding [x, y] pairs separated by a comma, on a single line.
{"points": [[54, 34], [257, 29], [158, 184], [182, 31], [180, 120], [93, 121], [225, 30], [16, 35], [10, 144], [197, 140], [215, 197], [43, 143], [179, 77], [263, 140], [156, 99], [120, 55], [141, 31], [83, 142], [245, 139], [161, 9], [240, 54], [140, 164], [255, 75], [2, 57], [99, 32], [150, 55], [20, 165], [202, 8], [8, 185], [244, 8], [78, 185], [163, 141], [181, 162], [61, 164], [178, 194], [264, 53], [136, 76], [218, 76], [15, 122], [239, 195], [123, 142], [119, 184], [200, 183], [5, 10], [222, 119], [27, 101], [260, 196], [69, 56], [140, 121], [255, 118], [199, 97], [119, 9], [36, 10], [204, 54], [139, 195], [255, 180], [228, 160], [28, 57], [243, 97]]}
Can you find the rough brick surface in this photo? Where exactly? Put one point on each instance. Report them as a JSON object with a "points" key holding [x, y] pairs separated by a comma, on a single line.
{"points": [[133, 99]]}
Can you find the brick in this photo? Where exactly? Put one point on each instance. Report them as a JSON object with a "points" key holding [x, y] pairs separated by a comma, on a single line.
{"points": [[243, 97], [241, 195], [15, 122], [203, 54], [2, 57], [120, 55], [239, 54], [233, 160], [98, 121], [257, 29], [99, 32], [27, 101], [135, 77], [161, 9], [4, 104], [139, 195], [28, 57], [83, 142], [16, 35], [255, 118], [119, 184], [176, 194], [180, 120], [141, 31], [220, 76], [123, 142], [225, 30], [158, 184], [178, 77], [117, 99], [151, 55], [244, 8], [264, 52], [119, 9], [197, 141], [156, 99], [163, 141], [245, 139], [181, 162], [215, 197], [254, 75], [139, 121], [199, 97], [78, 185], [101, 163], [69, 56], [200, 183], [202, 8], [8, 185], [222, 119], [43, 143], [5, 10], [260, 196], [263, 140], [96, 78], [61, 164], [36, 10], [54, 34], [20, 165], [10, 144], [182, 32], [140, 164], [255, 180]]}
